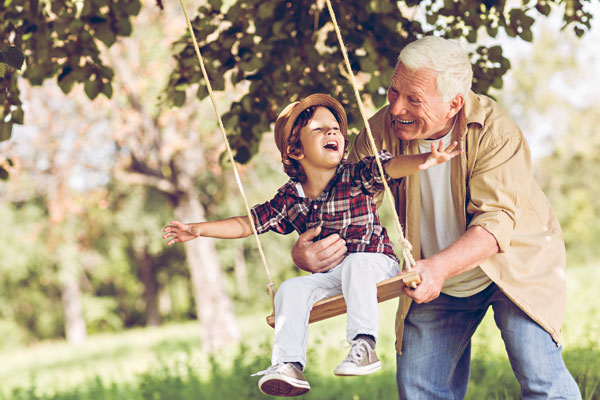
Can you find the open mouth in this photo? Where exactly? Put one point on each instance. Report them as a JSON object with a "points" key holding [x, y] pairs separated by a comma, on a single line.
{"points": [[331, 145], [404, 121]]}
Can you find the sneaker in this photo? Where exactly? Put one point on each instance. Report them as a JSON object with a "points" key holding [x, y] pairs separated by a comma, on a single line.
{"points": [[362, 360], [283, 380]]}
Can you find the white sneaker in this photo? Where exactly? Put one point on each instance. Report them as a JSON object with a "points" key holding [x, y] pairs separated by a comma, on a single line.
{"points": [[283, 380], [361, 360]]}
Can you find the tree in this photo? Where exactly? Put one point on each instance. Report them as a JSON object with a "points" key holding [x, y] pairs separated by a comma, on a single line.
{"points": [[546, 98], [165, 150], [288, 49], [281, 48]]}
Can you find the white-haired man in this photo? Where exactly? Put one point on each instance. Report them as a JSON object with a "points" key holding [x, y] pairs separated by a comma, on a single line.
{"points": [[482, 230]]}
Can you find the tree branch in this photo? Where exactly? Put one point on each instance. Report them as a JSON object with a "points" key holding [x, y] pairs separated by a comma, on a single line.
{"points": [[133, 178]]}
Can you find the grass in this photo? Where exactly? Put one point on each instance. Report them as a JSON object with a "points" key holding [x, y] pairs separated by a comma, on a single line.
{"points": [[168, 363]]}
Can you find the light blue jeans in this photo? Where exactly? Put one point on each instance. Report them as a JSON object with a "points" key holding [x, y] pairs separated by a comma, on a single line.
{"points": [[436, 349], [356, 277]]}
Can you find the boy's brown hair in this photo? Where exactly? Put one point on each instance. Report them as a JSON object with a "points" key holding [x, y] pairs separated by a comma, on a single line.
{"points": [[291, 121]]}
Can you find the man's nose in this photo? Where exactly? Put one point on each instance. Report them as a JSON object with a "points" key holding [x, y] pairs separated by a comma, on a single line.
{"points": [[398, 106]]}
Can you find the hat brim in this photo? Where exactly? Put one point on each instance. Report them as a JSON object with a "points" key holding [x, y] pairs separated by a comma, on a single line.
{"points": [[317, 100]]}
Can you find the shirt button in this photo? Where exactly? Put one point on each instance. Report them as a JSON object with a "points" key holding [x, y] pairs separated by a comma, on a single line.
{"points": [[315, 206]]}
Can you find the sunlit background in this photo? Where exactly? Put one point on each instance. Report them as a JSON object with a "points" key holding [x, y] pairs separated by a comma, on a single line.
{"points": [[90, 295]]}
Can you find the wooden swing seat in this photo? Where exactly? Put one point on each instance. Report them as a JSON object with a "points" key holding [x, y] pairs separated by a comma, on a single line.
{"points": [[333, 306]]}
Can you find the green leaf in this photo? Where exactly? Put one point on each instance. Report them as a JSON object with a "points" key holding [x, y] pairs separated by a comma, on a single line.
{"points": [[92, 88], [107, 90], [491, 30], [498, 82], [18, 116], [133, 7], [13, 56], [66, 84], [202, 92], [265, 10], [5, 130], [367, 64], [527, 35], [124, 26], [216, 4], [543, 8], [105, 34], [495, 53], [178, 99]]}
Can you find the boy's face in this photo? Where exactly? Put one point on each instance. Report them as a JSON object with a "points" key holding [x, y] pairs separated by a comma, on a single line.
{"points": [[322, 142]]}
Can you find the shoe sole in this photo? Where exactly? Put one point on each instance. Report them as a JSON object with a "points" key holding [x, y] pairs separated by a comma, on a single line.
{"points": [[275, 385], [358, 371]]}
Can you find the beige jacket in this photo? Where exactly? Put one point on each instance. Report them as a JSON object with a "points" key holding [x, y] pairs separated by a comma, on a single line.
{"points": [[494, 184]]}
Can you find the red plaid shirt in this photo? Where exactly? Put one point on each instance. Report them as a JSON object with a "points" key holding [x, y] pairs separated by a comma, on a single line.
{"points": [[345, 207]]}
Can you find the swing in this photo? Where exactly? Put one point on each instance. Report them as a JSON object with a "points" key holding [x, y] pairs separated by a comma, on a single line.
{"points": [[332, 306]]}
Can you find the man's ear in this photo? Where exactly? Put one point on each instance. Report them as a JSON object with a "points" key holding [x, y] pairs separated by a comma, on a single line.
{"points": [[296, 157], [455, 105]]}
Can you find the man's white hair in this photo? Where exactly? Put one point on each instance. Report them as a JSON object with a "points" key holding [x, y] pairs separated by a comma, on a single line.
{"points": [[447, 58]]}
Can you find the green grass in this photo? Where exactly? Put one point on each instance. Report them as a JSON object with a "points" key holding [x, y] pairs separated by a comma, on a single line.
{"points": [[168, 363]]}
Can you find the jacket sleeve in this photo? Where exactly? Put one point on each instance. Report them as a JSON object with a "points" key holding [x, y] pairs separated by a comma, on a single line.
{"points": [[499, 182]]}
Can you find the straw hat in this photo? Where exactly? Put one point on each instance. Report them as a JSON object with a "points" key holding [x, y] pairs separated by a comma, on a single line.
{"points": [[287, 118]]}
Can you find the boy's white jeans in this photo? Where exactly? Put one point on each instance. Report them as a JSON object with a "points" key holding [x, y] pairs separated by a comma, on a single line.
{"points": [[356, 277]]}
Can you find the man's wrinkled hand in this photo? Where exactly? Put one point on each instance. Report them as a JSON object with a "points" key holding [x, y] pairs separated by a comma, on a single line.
{"points": [[431, 283], [319, 256]]}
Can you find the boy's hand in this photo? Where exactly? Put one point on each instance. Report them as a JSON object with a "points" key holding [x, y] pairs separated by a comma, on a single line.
{"points": [[440, 155], [180, 232]]}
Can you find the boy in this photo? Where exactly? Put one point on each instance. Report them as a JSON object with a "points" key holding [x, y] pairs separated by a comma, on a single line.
{"points": [[327, 191]]}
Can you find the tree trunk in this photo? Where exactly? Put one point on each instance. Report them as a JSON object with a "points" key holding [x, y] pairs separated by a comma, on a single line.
{"points": [[213, 304], [148, 278], [75, 329], [241, 275]]}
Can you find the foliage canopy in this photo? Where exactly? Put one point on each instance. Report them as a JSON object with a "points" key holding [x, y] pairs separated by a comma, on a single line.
{"points": [[281, 49]]}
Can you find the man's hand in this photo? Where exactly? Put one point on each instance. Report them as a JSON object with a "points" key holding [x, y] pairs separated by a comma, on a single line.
{"points": [[318, 256], [431, 282]]}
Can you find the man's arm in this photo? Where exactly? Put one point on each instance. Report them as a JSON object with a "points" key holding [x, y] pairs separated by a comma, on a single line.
{"points": [[469, 251]]}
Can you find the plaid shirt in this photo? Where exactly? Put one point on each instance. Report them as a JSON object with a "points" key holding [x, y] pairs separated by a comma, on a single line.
{"points": [[345, 207]]}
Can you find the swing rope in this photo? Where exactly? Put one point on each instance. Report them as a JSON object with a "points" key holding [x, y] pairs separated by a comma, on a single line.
{"points": [[270, 284], [409, 260]]}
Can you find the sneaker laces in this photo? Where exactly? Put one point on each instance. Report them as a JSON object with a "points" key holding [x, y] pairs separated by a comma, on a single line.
{"points": [[275, 368], [358, 350]]}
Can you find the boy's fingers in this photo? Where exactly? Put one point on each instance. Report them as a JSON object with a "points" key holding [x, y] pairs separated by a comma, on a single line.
{"points": [[451, 147], [441, 146]]}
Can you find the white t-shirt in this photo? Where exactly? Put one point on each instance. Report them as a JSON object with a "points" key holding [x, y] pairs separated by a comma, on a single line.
{"points": [[441, 226]]}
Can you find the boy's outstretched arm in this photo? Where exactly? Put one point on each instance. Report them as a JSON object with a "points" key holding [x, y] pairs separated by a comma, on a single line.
{"points": [[229, 228], [408, 164]]}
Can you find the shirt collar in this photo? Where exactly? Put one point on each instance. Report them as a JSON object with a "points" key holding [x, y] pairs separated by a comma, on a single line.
{"points": [[291, 186], [472, 113]]}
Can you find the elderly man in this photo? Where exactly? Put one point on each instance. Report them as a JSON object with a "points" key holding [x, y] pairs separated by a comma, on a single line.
{"points": [[482, 230]]}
